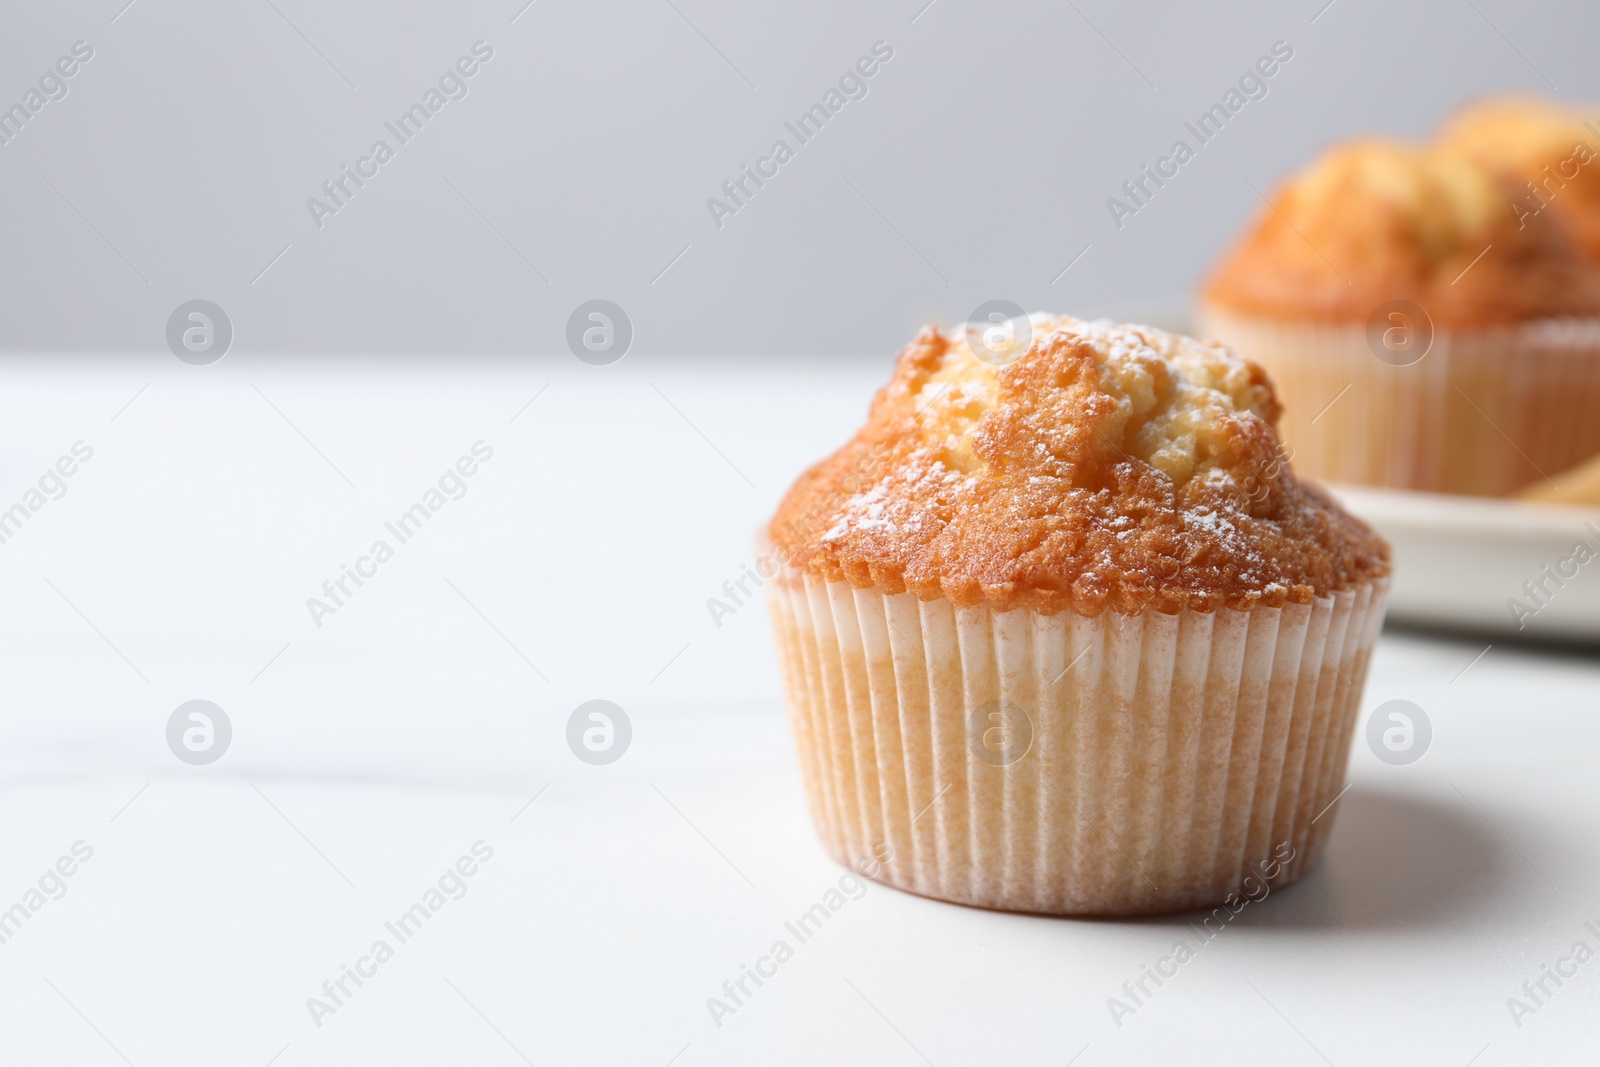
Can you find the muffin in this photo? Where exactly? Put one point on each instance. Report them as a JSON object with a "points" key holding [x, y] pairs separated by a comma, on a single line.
{"points": [[1068, 635], [1420, 335], [1551, 153]]}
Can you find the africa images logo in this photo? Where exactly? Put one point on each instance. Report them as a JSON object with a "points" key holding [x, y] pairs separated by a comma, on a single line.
{"points": [[1252, 85], [452, 485], [52, 87], [452, 85], [852, 85]]}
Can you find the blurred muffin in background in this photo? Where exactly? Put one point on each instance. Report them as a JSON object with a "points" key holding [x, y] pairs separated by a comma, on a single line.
{"points": [[1420, 334], [1549, 151]]}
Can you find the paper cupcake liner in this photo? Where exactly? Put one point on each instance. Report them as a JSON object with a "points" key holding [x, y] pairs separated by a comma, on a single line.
{"points": [[1143, 763], [1484, 412]]}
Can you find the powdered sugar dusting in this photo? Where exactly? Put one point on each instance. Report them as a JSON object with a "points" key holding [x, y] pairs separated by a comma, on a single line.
{"points": [[1108, 465]]}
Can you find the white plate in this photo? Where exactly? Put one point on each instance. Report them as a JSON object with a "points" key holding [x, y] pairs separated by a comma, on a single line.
{"points": [[1495, 566]]}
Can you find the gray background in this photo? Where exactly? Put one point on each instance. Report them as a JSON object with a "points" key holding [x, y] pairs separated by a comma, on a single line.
{"points": [[585, 151]]}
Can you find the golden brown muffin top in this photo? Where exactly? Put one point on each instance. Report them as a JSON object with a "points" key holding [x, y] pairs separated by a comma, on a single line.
{"points": [[1550, 151], [1525, 131], [1108, 466], [1373, 221]]}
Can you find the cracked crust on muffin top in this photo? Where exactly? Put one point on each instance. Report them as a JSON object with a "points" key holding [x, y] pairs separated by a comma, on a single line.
{"points": [[1109, 466]]}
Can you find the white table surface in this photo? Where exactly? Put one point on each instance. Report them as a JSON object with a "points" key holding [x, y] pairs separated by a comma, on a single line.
{"points": [[421, 718]]}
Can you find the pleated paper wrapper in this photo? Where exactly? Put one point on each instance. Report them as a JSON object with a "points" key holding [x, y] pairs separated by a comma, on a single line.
{"points": [[1485, 412], [1117, 765]]}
